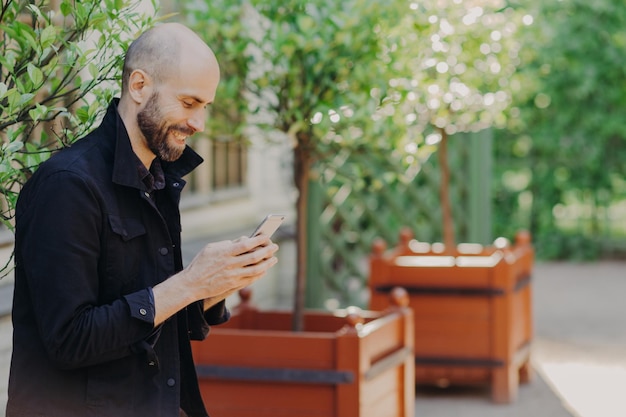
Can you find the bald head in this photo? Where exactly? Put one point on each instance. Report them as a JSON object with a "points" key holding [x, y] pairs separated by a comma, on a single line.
{"points": [[163, 50], [170, 77]]}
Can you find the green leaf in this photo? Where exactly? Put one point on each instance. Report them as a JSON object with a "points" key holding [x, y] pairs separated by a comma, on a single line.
{"points": [[35, 75], [98, 19], [305, 23], [13, 147], [83, 114], [8, 61], [30, 37], [93, 70], [26, 98], [66, 8], [13, 99], [35, 10], [38, 113], [47, 36]]}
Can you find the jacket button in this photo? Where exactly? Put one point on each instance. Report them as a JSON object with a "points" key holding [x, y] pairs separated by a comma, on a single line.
{"points": [[164, 251], [152, 363], [171, 382], [176, 184], [143, 311], [147, 194]]}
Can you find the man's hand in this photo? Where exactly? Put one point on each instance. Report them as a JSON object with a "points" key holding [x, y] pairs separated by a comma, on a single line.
{"points": [[218, 270]]}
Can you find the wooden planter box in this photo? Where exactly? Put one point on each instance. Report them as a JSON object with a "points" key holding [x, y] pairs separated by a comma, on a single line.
{"points": [[472, 310], [350, 363]]}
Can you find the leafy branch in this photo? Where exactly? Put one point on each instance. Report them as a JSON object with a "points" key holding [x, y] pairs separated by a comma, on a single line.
{"points": [[60, 65]]}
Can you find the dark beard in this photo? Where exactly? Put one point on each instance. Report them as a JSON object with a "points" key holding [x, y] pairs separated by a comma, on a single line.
{"points": [[156, 132]]}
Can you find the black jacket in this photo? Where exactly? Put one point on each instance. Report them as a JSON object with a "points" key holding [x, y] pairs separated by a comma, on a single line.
{"points": [[89, 246]]}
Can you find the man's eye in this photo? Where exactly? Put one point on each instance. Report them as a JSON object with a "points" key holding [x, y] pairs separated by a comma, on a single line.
{"points": [[187, 103]]}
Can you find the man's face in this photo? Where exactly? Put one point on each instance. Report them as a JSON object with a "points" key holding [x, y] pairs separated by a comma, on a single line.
{"points": [[164, 138]]}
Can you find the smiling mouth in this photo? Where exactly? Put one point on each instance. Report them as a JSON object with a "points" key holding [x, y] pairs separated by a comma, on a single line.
{"points": [[180, 136]]}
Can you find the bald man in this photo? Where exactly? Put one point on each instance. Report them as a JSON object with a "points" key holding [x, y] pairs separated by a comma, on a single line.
{"points": [[103, 309]]}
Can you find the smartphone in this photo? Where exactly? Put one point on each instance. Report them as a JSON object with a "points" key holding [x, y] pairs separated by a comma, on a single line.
{"points": [[269, 225]]}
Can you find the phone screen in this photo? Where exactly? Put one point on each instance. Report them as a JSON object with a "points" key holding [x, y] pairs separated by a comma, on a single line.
{"points": [[269, 225]]}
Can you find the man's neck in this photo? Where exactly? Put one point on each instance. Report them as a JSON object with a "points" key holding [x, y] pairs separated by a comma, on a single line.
{"points": [[137, 140]]}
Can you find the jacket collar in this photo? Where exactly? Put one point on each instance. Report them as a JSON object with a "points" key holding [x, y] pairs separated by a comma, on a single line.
{"points": [[124, 161]]}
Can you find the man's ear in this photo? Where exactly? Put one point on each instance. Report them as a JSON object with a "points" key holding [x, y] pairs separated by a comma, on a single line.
{"points": [[139, 86]]}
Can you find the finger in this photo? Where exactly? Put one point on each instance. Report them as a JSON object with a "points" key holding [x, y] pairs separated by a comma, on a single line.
{"points": [[258, 254], [239, 239], [259, 269], [260, 240], [251, 244], [265, 263]]}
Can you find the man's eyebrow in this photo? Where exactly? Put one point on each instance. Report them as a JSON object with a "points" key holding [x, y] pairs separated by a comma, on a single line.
{"points": [[199, 100], [195, 98]]}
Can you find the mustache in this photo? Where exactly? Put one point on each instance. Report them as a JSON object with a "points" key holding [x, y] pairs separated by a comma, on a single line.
{"points": [[185, 130]]}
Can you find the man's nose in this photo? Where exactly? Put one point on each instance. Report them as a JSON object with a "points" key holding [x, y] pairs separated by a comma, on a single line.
{"points": [[197, 120]]}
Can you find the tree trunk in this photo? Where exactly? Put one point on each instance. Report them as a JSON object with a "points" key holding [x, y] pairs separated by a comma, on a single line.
{"points": [[444, 195], [302, 167]]}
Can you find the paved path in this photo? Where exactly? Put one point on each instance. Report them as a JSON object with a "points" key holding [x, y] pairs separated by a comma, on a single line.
{"points": [[579, 351]]}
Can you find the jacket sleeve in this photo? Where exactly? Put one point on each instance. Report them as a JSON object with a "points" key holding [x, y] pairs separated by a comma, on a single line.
{"points": [[58, 240], [200, 321]]}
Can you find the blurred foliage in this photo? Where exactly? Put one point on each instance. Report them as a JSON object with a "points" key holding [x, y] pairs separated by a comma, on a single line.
{"points": [[561, 161], [461, 58], [546, 76], [222, 24], [362, 89], [304, 68], [308, 71], [364, 78], [59, 67]]}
